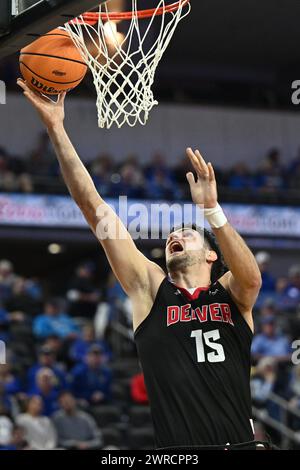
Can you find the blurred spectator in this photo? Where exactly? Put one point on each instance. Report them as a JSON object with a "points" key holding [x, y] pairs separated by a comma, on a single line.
{"points": [[54, 322], [81, 345], [55, 344], [271, 343], [158, 163], [138, 389], [240, 177], [82, 294], [91, 381], [268, 281], [180, 171], [292, 291], [46, 389], [11, 383], [60, 349], [294, 173], [160, 186], [42, 161], [25, 184], [273, 160], [281, 287], [17, 441], [294, 386], [75, 429], [46, 358], [272, 173], [6, 403], [7, 279], [39, 430], [129, 181], [294, 396], [159, 180], [8, 180], [6, 426], [33, 288], [268, 308], [101, 170], [23, 298], [262, 383], [4, 325]]}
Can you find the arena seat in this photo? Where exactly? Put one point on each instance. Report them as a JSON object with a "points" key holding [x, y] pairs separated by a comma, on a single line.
{"points": [[140, 438], [112, 437], [139, 416], [106, 415]]}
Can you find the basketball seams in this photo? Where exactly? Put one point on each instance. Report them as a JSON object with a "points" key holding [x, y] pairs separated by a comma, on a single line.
{"points": [[53, 57], [66, 35], [52, 81]]}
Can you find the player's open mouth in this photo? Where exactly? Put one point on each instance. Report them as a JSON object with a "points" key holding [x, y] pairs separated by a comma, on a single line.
{"points": [[175, 247]]}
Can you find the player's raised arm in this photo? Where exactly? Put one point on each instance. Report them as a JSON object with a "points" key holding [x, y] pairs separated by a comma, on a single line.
{"points": [[128, 263], [244, 278]]}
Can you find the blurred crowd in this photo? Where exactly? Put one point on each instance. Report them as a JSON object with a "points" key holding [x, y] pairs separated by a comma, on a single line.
{"points": [[61, 384], [38, 172], [72, 378], [275, 378]]}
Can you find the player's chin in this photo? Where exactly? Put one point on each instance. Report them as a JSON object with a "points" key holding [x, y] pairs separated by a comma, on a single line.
{"points": [[176, 260]]}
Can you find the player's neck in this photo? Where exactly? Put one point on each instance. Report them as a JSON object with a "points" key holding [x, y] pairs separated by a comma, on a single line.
{"points": [[190, 278]]}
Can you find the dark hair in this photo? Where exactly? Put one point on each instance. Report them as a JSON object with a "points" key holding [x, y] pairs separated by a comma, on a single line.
{"points": [[219, 267], [64, 392], [55, 302]]}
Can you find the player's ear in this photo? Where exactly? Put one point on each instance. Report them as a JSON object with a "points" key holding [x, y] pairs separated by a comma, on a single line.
{"points": [[211, 256]]}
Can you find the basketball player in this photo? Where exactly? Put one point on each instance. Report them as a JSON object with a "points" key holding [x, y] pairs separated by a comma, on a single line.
{"points": [[193, 327]]}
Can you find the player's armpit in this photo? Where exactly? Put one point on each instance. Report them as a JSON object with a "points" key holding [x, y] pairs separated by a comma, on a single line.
{"points": [[244, 297]]}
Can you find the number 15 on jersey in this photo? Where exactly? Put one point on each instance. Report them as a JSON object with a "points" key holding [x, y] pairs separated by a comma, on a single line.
{"points": [[209, 339]]}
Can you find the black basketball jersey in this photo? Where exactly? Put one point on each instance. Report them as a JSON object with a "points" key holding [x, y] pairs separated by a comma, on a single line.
{"points": [[195, 355]]}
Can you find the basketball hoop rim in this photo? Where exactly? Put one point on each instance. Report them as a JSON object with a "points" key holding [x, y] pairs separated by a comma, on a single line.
{"points": [[128, 15]]}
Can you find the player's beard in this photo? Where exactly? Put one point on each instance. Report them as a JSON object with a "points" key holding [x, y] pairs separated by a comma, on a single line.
{"points": [[184, 260]]}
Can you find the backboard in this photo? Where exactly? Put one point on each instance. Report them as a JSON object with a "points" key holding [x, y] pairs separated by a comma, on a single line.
{"points": [[23, 20]]}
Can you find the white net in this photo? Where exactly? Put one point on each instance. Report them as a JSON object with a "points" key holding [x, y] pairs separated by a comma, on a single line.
{"points": [[124, 64]]}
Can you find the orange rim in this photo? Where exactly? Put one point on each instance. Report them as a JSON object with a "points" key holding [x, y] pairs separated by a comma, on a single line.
{"points": [[93, 17]]}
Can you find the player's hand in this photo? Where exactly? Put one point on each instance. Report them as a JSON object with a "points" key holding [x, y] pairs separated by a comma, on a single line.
{"points": [[204, 188], [51, 112]]}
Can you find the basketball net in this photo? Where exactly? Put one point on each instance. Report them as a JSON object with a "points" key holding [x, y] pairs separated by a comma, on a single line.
{"points": [[124, 71]]}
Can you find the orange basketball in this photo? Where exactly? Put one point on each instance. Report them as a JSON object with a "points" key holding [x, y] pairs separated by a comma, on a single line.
{"points": [[52, 63]]}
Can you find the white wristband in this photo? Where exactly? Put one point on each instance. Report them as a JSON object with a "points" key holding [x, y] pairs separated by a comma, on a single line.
{"points": [[215, 216]]}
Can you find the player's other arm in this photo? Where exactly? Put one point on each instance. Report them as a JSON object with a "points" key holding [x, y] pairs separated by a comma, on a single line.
{"points": [[130, 266], [244, 278]]}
